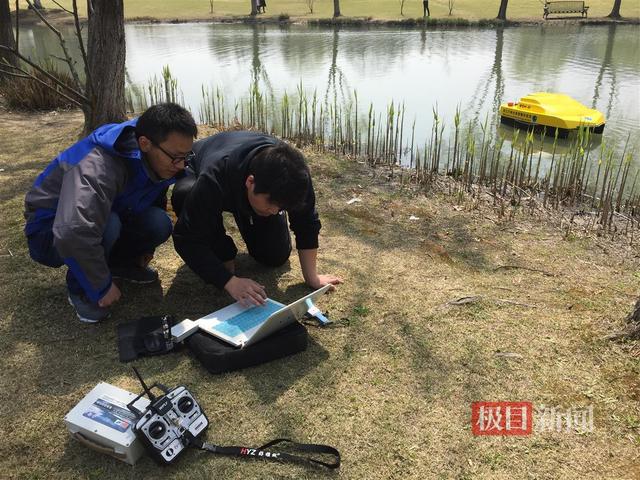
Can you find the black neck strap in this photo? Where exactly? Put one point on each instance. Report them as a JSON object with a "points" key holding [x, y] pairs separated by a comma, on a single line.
{"points": [[265, 453]]}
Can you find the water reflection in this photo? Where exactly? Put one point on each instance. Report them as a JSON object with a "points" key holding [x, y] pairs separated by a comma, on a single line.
{"points": [[486, 82], [337, 85], [606, 67], [258, 72], [546, 144], [475, 69]]}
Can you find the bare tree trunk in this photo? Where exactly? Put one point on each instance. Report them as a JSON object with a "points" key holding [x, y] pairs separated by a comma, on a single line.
{"points": [[106, 57], [102, 99], [632, 330], [615, 11], [6, 34], [254, 8], [634, 321], [502, 13], [336, 8]]}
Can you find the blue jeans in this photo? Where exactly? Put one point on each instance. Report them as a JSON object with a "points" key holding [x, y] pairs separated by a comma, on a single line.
{"points": [[125, 239]]}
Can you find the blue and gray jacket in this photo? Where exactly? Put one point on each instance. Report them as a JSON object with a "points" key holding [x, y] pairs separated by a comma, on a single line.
{"points": [[75, 194]]}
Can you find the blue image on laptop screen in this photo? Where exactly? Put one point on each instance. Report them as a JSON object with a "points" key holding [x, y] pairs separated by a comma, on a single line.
{"points": [[245, 321]]}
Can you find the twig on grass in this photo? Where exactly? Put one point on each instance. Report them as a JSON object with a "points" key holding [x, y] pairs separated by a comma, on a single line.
{"points": [[465, 300], [477, 298], [511, 302], [508, 355], [514, 267]]}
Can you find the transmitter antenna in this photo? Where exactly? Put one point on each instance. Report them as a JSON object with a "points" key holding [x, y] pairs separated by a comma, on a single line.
{"points": [[151, 396]]}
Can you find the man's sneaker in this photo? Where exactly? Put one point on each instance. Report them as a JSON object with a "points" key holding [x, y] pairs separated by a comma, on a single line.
{"points": [[87, 311], [135, 274]]}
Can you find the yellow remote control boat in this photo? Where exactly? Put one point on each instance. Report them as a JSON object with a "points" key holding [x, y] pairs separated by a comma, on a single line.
{"points": [[551, 111]]}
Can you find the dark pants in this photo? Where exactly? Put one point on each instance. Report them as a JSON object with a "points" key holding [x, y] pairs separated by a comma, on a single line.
{"points": [[425, 8], [267, 238], [124, 241]]}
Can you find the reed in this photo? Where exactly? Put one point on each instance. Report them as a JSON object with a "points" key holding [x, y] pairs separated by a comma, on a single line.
{"points": [[475, 155]]}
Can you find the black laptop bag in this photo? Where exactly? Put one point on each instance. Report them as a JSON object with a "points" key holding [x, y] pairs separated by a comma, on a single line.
{"points": [[218, 356]]}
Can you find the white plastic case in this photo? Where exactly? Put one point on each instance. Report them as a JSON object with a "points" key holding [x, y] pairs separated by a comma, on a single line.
{"points": [[102, 422]]}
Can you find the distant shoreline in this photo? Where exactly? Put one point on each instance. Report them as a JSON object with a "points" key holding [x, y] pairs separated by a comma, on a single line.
{"points": [[59, 17], [372, 22]]}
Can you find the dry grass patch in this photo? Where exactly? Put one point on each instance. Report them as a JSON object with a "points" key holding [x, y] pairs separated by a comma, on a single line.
{"points": [[391, 384]]}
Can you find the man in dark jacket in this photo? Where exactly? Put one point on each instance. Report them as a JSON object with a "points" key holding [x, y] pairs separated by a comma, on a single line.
{"points": [[259, 179], [99, 206]]}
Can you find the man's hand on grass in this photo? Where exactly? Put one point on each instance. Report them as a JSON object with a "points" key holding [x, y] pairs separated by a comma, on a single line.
{"points": [[321, 280]]}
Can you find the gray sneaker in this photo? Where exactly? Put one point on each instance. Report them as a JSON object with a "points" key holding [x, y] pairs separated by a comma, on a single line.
{"points": [[135, 274], [86, 310]]}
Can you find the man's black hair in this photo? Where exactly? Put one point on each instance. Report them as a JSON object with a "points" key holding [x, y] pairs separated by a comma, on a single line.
{"points": [[158, 121], [281, 172]]}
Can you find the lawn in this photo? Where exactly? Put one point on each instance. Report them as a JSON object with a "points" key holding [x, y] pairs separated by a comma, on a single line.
{"points": [[379, 9], [391, 384]]}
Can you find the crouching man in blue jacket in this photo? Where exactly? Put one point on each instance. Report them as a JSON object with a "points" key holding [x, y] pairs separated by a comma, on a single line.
{"points": [[99, 206]]}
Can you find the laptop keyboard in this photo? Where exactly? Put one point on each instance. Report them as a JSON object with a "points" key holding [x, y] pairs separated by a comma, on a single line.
{"points": [[247, 320]]}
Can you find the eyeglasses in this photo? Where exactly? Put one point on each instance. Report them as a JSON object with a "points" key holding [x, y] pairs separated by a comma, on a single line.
{"points": [[177, 159]]}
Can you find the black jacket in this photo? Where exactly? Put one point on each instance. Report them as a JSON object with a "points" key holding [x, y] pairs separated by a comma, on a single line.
{"points": [[221, 167]]}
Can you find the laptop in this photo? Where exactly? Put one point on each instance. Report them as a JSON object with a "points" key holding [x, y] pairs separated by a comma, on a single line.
{"points": [[242, 326]]}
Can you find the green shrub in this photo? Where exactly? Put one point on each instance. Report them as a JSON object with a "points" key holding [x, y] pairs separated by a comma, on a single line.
{"points": [[29, 94]]}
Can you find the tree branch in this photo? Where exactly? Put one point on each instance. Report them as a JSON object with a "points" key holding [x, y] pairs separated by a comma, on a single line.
{"points": [[63, 44], [17, 24], [11, 74], [513, 267], [58, 58], [68, 11], [33, 77], [45, 73], [5, 63], [89, 81]]}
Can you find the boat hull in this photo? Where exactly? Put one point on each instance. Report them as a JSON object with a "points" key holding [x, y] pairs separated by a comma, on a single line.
{"points": [[538, 127], [553, 112]]}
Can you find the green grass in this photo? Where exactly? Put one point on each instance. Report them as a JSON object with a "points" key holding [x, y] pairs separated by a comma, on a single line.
{"points": [[390, 385], [379, 9]]}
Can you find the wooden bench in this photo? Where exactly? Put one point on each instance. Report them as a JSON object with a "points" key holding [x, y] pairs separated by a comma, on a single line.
{"points": [[552, 8]]}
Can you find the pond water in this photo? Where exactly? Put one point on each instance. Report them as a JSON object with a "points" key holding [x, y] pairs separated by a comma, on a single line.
{"points": [[475, 69]]}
